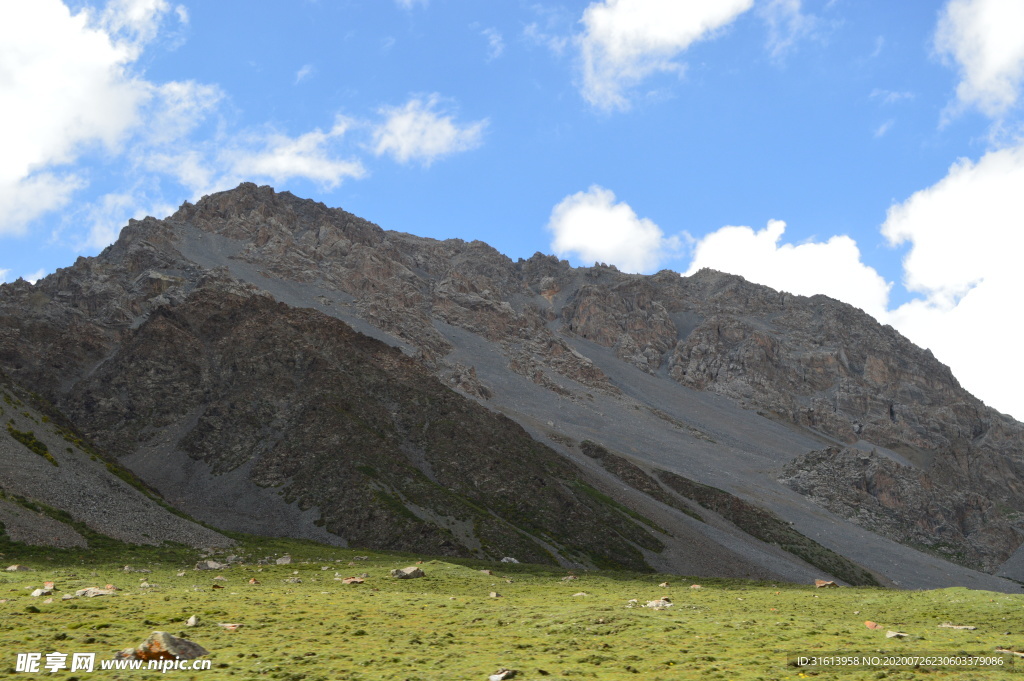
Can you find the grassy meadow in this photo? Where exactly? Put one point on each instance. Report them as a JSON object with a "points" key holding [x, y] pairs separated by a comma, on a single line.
{"points": [[447, 625]]}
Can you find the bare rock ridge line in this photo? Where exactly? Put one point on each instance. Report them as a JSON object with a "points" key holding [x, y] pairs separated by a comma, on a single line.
{"points": [[231, 343]]}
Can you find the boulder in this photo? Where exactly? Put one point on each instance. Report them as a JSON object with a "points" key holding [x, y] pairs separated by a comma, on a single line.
{"points": [[210, 565], [163, 646], [411, 572], [284, 560], [90, 592]]}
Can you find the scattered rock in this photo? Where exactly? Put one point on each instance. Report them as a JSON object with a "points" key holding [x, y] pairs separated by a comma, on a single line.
{"points": [[487, 572], [90, 592], [696, 586], [210, 565], [163, 646], [65, 597], [509, 559], [895, 634], [48, 600], [181, 574], [580, 593], [360, 558], [41, 592], [949, 625], [47, 585], [18, 568], [660, 604], [221, 578], [192, 621], [290, 580], [352, 580], [411, 572], [230, 626], [495, 594], [873, 625], [129, 568], [663, 585], [284, 560], [822, 584], [569, 578], [253, 580]]}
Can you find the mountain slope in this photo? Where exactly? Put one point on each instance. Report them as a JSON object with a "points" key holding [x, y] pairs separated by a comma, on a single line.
{"points": [[168, 349]]}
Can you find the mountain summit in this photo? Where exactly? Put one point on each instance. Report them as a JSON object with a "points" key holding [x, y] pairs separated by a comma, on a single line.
{"points": [[272, 365]]}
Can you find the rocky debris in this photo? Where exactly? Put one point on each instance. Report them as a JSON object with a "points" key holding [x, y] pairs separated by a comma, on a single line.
{"points": [[494, 594], [129, 568], [92, 591], [221, 577], [502, 674], [696, 586], [580, 593], [192, 621], [48, 585], [509, 559], [18, 568], [569, 578], [659, 604], [895, 634], [663, 585], [487, 572], [163, 646], [284, 560], [873, 625], [230, 626], [907, 504], [290, 580], [254, 581], [823, 584], [411, 572], [351, 580], [41, 592], [210, 565], [962, 627]]}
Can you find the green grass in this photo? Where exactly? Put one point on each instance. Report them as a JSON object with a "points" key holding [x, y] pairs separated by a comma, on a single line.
{"points": [[447, 627]]}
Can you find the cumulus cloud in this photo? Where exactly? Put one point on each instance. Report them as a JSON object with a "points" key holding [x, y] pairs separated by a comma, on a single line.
{"points": [[832, 267], [591, 227], [419, 131], [984, 39], [965, 242], [311, 155], [625, 41], [74, 92]]}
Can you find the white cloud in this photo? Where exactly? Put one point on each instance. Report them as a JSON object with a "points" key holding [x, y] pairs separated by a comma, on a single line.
{"points": [[417, 131], [302, 74], [625, 41], [495, 43], [280, 157], [832, 267], [884, 128], [786, 25], [986, 40], [890, 96], [3, 274], [409, 4], [966, 240], [592, 227], [67, 90]]}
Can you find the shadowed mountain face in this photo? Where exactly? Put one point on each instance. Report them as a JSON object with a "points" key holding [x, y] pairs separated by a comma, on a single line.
{"points": [[214, 353]]}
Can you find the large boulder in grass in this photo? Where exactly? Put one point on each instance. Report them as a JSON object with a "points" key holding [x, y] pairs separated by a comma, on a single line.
{"points": [[210, 565], [163, 646], [411, 572]]}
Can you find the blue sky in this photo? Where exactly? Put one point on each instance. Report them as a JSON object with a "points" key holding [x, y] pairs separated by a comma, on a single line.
{"points": [[871, 151]]}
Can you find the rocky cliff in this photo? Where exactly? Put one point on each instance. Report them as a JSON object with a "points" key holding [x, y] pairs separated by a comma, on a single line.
{"points": [[185, 342]]}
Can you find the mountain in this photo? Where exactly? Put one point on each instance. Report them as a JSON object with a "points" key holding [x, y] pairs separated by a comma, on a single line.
{"points": [[272, 365]]}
